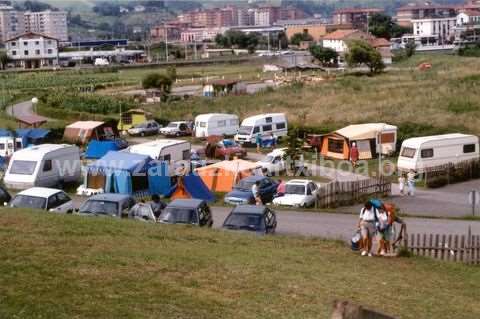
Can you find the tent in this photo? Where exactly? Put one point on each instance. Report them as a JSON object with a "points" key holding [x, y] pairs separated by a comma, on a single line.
{"points": [[128, 173], [97, 149], [84, 131], [32, 136], [222, 176], [5, 133], [337, 144], [192, 186], [131, 118]]}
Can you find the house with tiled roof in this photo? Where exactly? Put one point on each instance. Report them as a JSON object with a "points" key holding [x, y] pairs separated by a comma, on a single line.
{"points": [[32, 50]]}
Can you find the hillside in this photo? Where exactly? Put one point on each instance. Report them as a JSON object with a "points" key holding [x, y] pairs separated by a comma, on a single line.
{"points": [[56, 266]]}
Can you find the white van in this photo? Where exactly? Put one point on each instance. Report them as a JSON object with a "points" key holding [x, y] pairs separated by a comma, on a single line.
{"points": [[216, 124], [265, 124], [43, 165], [164, 150], [420, 153], [274, 162]]}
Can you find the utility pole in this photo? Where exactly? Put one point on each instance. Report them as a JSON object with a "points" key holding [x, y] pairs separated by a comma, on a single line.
{"points": [[268, 41], [166, 41]]}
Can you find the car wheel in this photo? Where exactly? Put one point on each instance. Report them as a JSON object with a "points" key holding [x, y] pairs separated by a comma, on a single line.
{"points": [[142, 134]]}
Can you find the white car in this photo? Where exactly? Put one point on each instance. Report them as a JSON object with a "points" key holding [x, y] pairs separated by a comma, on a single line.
{"points": [[274, 161], [49, 199], [179, 128], [298, 193]]}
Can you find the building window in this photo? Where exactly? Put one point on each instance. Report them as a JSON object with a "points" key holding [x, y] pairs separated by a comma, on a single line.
{"points": [[14, 52], [37, 52], [37, 42], [25, 43], [50, 51], [49, 42], [14, 44], [25, 52]]}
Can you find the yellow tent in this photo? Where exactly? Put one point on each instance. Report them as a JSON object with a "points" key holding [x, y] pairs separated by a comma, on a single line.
{"points": [[222, 176]]}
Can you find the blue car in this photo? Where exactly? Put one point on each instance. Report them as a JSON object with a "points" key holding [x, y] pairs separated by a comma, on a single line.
{"points": [[242, 192], [259, 219]]}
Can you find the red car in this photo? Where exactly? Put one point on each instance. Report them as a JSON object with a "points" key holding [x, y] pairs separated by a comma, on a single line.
{"points": [[225, 149]]}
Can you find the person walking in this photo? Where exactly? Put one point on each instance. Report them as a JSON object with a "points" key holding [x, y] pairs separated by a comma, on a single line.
{"points": [[401, 184], [411, 182], [256, 193], [366, 224], [383, 230], [354, 154], [258, 141]]}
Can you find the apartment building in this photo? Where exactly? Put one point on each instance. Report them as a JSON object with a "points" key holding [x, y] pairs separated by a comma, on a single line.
{"points": [[440, 28], [407, 14], [31, 50], [211, 18], [11, 23], [358, 18], [50, 23], [201, 34]]}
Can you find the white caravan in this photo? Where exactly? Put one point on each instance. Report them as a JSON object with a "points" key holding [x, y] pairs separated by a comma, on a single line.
{"points": [[420, 153], [163, 150], [263, 124], [43, 165], [216, 124]]}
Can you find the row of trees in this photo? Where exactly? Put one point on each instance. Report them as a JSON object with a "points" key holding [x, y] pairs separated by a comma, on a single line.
{"points": [[250, 41]]}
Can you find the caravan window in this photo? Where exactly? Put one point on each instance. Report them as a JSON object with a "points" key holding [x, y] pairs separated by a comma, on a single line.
{"points": [[469, 148], [280, 126], [268, 119], [256, 129], [202, 124], [335, 146], [408, 152], [222, 123], [166, 158], [47, 165], [23, 167], [186, 155], [267, 128], [234, 122], [2, 147], [427, 153]]}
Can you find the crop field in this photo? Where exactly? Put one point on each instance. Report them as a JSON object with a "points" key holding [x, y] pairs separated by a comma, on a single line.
{"points": [[56, 266]]}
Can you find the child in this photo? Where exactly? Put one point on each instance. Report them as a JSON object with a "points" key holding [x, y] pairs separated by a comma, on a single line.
{"points": [[401, 184], [411, 182]]}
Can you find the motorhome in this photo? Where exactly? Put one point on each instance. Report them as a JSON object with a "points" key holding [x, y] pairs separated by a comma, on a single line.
{"points": [[43, 165], [263, 124], [420, 153], [216, 124], [164, 150]]}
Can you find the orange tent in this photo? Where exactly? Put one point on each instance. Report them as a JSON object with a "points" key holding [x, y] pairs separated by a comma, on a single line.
{"points": [[222, 176]]}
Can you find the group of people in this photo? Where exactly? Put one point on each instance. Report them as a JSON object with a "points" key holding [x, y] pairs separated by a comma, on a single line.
{"points": [[281, 186], [409, 179], [377, 219]]}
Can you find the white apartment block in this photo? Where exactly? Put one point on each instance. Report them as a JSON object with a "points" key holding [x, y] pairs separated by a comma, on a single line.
{"points": [[11, 23], [50, 23], [201, 34], [442, 28], [262, 17], [31, 50]]}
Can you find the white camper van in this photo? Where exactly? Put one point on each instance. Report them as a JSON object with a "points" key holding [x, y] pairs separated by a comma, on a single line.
{"points": [[216, 124], [265, 124], [164, 150], [420, 153], [43, 165]]}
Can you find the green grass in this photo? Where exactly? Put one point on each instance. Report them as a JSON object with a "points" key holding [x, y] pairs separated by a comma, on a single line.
{"points": [[57, 266]]}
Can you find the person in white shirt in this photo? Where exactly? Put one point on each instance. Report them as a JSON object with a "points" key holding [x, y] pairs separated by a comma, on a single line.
{"points": [[256, 193], [366, 224], [411, 182]]}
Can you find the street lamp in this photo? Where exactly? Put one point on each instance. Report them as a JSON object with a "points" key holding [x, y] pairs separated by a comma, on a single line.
{"points": [[34, 104]]}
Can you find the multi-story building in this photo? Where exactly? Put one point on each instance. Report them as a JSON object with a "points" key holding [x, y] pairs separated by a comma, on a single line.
{"points": [[31, 50], [50, 23], [200, 34], [408, 13], [170, 31], [358, 18], [467, 29], [290, 13], [317, 28], [265, 16], [11, 23], [440, 28], [244, 16], [211, 18]]}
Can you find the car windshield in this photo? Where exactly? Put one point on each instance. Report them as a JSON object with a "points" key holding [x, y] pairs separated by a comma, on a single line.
{"points": [[24, 201], [99, 207], [408, 152], [295, 189], [23, 167], [245, 130], [251, 222], [244, 185], [172, 124], [268, 159], [174, 215]]}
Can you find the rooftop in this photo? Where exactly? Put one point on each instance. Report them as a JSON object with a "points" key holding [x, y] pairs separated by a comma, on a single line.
{"points": [[340, 34], [186, 203], [39, 151], [39, 192]]}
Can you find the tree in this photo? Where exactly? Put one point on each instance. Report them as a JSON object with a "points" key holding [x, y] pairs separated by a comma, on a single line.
{"points": [[3, 60], [326, 56], [158, 81], [172, 72], [382, 26], [299, 37], [361, 52]]}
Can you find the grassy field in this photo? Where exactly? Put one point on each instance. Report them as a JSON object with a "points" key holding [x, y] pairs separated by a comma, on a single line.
{"points": [[57, 266]]}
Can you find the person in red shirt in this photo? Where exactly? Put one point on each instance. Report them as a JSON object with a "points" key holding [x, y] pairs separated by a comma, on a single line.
{"points": [[281, 188], [354, 154]]}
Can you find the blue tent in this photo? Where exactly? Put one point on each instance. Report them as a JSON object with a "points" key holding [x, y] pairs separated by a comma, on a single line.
{"points": [[98, 149], [121, 168], [31, 136], [5, 132], [192, 186]]}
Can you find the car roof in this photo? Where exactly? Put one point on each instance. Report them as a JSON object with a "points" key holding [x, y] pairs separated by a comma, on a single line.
{"points": [[299, 182], [40, 192], [186, 203], [112, 197], [254, 178], [249, 209]]}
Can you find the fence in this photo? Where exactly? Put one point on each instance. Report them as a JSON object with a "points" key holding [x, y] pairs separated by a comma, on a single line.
{"points": [[337, 194], [452, 173], [463, 248]]}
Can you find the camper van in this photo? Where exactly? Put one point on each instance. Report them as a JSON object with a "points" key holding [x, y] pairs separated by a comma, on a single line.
{"points": [[424, 152], [7, 146], [164, 150], [265, 124], [216, 124], [43, 165]]}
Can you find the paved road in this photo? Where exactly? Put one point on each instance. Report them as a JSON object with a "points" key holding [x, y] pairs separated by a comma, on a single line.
{"points": [[22, 109]]}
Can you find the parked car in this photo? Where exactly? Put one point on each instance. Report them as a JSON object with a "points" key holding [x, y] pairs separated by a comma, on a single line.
{"points": [[146, 128], [298, 193], [187, 211], [180, 128], [49, 199], [225, 149], [258, 219], [142, 212], [242, 192], [274, 162], [5, 196], [108, 204]]}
